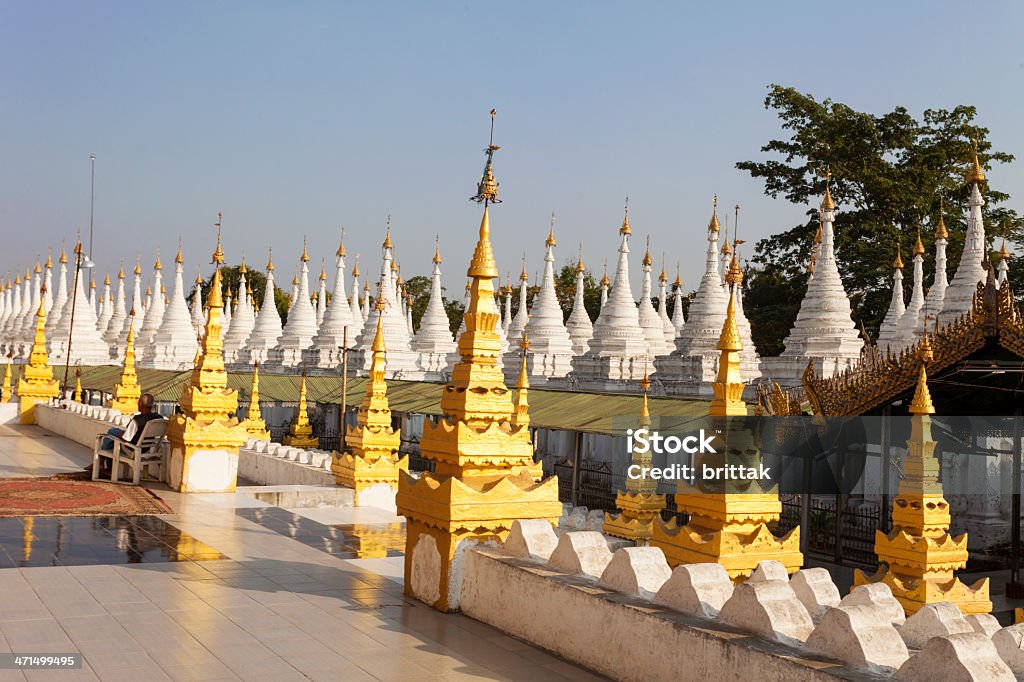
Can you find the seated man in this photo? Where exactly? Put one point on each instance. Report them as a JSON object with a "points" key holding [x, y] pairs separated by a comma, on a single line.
{"points": [[133, 431]]}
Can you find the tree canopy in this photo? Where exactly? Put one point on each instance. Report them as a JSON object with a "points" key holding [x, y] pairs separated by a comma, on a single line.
{"points": [[889, 174]]}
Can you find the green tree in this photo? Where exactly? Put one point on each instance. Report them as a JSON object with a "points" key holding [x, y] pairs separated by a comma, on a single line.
{"points": [[257, 282], [888, 175]]}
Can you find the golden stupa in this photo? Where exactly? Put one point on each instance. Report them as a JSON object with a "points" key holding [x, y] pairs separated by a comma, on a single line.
{"points": [[5, 392], [919, 556], [728, 524], [300, 434], [485, 476], [639, 504], [205, 435], [253, 423], [37, 382], [127, 391], [374, 458]]}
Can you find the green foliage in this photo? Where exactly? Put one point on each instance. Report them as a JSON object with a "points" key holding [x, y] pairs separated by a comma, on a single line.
{"points": [[889, 173], [257, 282], [565, 289]]}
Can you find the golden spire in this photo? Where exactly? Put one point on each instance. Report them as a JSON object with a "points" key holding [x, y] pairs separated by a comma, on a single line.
{"points": [[922, 402], [713, 226], [550, 241], [138, 264], [218, 253], [827, 204], [626, 229], [726, 249], [178, 258], [355, 268], [305, 255], [158, 265], [241, 268], [5, 391], [522, 275], [387, 236], [199, 278], [521, 404], [38, 268], [254, 414], [975, 174], [127, 391], [898, 263], [940, 231], [728, 385], [270, 259], [149, 291], [679, 279], [437, 250], [604, 278], [579, 263], [734, 275], [49, 258], [647, 254], [120, 271], [17, 278], [295, 281], [92, 281], [63, 255], [645, 414], [106, 280], [37, 382], [1004, 252], [487, 188], [341, 245], [366, 286], [77, 396], [323, 271], [918, 246]]}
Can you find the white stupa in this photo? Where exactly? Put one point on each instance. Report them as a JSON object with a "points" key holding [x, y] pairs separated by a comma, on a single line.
{"points": [[579, 325], [824, 329], [605, 284], [522, 316], [364, 312], [117, 318], [678, 318], [146, 330], [506, 319], [434, 341], [912, 320], [936, 297], [888, 331], [11, 329], [299, 330], [87, 346], [401, 360], [330, 337], [667, 328], [618, 356], [321, 296], [1003, 269], [196, 313], [136, 313], [174, 343], [550, 354], [971, 270], [106, 308], [267, 329], [650, 322], [27, 332], [356, 313], [699, 338], [242, 321]]}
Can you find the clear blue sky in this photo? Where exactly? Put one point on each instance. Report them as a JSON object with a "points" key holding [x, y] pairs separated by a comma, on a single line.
{"points": [[300, 117]]}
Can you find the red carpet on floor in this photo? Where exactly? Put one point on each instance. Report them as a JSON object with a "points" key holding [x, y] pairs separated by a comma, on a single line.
{"points": [[55, 497]]}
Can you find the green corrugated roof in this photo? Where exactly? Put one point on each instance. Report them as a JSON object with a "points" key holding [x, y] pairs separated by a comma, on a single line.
{"points": [[566, 410]]}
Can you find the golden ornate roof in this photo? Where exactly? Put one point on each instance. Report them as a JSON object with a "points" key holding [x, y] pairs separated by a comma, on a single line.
{"points": [[579, 263], [975, 174], [918, 246], [827, 204], [305, 254], [270, 259], [728, 385], [63, 255], [714, 226], [626, 229], [158, 265], [138, 265], [940, 230], [106, 280], [550, 241], [898, 263], [1004, 253], [178, 257], [437, 251], [647, 254]]}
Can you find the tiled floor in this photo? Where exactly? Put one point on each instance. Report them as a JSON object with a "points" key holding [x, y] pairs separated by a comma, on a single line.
{"points": [[278, 608]]}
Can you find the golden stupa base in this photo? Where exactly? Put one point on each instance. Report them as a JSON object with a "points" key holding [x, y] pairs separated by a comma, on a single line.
{"points": [[440, 513], [126, 401], [636, 518], [307, 442], [255, 428], [738, 549], [204, 454], [360, 473], [914, 593], [31, 393]]}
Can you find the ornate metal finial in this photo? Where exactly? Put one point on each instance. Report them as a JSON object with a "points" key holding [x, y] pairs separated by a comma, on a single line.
{"points": [[120, 272], [647, 254], [387, 236], [156, 266], [218, 253], [138, 264], [323, 269], [341, 246], [355, 268], [270, 259], [604, 278], [487, 188], [305, 254], [918, 245], [523, 276], [524, 344], [63, 256], [898, 263], [437, 249], [579, 263], [827, 204], [940, 230], [713, 226], [178, 258], [645, 382], [551, 232], [49, 257], [1004, 253], [679, 278], [975, 174], [626, 229]]}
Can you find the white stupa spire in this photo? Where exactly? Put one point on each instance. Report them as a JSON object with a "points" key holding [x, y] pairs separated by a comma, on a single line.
{"points": [[605, 284], [1004, 265], [579, 325], [888, 331], [434, 339], [267, 329], [321, 295], [678, 319], [522, 316], [119, 314], [824, 327], [136, 308], [936, 297], [911, 322], [47, 289], [971, 270], [506, 320], [300, 328], [707, 310], [667, 327], [87, 347], [174, 343], [146, 330], [196, 313], [338, 315], [61, 297], [650, 322], [106, 307], [364, 312], [356, 322], [242, 321], [550, 353]]}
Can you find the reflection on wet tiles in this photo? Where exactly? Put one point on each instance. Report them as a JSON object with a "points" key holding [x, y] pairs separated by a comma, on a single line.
{"points": [[92, 540], [346, 541]]}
